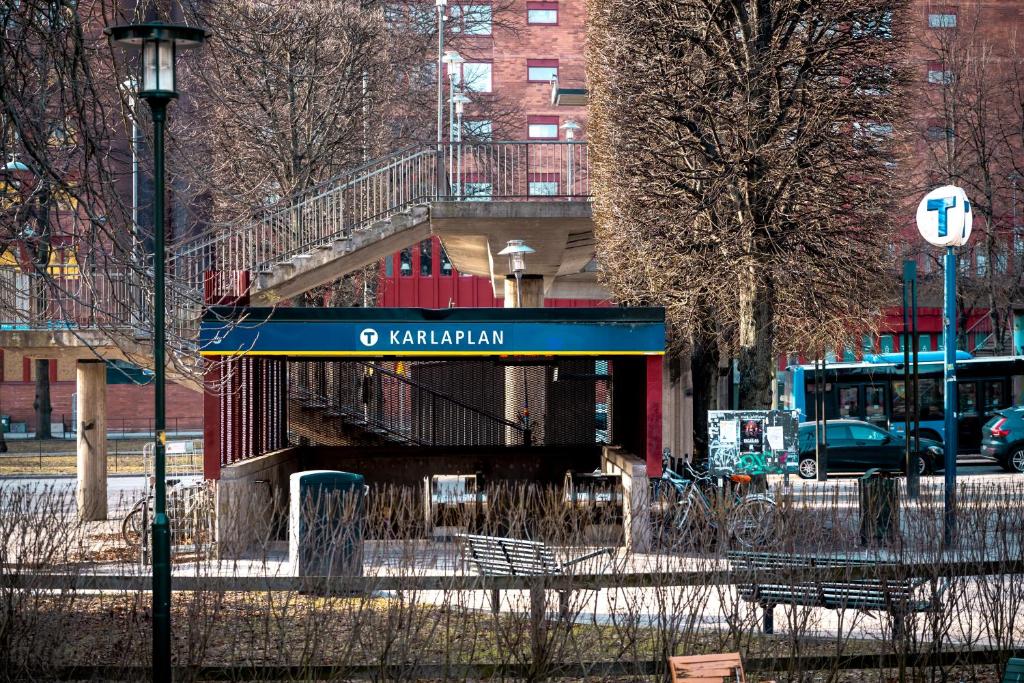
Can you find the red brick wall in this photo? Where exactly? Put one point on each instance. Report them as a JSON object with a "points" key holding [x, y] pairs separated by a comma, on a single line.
{"points": [[128, 406]]}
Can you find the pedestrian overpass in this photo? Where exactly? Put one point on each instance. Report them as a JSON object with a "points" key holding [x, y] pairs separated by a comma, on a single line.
{"points": [[538, 192]]}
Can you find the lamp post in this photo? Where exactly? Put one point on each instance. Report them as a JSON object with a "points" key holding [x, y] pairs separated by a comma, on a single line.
{"points": [[944, 219], [159, 44], [570, 127], [460, 101], [441, 5], [453, 61], [516, 250]]}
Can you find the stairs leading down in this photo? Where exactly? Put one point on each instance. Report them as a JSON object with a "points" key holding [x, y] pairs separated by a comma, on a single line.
{"points": [[347, 403]]}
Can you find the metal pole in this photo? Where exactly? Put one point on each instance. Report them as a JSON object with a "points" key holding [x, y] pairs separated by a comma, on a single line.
{"points": [[823, 459], [949, 513], [909, 388], [917, 388], [440, 98], [161, 527], [451, 129], [458, 174]]}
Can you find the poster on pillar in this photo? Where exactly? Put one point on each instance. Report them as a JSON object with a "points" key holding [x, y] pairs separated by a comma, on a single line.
{"points": [[752, 441]]}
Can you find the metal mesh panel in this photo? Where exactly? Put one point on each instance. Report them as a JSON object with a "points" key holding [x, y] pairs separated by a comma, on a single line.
{"points": [[447, 402]]}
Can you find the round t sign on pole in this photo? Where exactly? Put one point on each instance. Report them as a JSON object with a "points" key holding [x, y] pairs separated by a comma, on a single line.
{"points": [[944, 219]]}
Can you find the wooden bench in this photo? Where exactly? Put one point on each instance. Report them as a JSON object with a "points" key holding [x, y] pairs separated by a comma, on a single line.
{"points": [[719, 668], [1014, 672], [499, 556], [770, 587]]}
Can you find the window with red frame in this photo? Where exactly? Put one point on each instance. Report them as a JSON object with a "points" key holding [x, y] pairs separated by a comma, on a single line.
{"points": [[542, 13], [542, 127], [541, 70], [543, 184]]}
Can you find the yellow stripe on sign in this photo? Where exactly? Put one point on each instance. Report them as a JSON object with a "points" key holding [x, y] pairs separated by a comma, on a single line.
{"points": [[435, 354]]}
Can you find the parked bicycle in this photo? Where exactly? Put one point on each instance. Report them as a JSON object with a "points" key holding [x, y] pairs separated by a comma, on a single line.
{"points": [[750, 519], [187, 508]]}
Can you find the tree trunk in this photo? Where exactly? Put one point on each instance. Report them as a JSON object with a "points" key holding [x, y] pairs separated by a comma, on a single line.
{"points": [[42, 402], [756, 343], [704, 371]]}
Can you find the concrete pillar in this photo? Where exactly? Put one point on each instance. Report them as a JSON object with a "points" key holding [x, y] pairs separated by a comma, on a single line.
{"points": [[636, 496], [533, 291], [525, 384], [92, 439]]}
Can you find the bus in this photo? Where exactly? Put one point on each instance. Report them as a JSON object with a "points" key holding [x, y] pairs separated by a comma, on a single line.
{"points": [[873, 390]]}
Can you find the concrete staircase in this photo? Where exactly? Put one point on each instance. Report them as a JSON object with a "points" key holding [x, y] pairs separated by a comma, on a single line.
{"points": [[327, 261]]}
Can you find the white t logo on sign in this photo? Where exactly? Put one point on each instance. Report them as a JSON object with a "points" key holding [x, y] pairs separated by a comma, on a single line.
{"points": [[368, 337]]}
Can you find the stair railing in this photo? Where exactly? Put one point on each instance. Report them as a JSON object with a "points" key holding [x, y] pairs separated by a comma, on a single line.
{"points": [[378, 400]]}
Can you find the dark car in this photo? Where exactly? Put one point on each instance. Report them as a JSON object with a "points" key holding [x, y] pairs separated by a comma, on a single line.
{"points": [[1002, 438], [855, 446]]}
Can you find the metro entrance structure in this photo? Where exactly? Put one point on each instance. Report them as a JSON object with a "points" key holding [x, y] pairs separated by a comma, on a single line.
{"points": [[401, 394]]}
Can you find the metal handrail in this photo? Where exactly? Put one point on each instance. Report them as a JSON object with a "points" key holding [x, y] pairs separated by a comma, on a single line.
{"points": [[416, 422], [121, 298], [419, 385]]}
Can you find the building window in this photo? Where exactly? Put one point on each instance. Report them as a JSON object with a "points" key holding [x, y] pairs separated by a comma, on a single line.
{"points": [[542, 127], [874, 81], [446, 263], [943, 19], [541, 12], [543, 184], [874, 26], [476, 76], [982, 261], [471, 20], [939, 132], [477, 130], [476, 188], [389, 265], [405, 262], [938, 74], [426, 260], [541, 70]]}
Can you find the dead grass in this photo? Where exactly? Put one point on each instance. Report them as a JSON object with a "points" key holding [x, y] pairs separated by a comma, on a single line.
{"points": [[65, 464], [58, 456]]}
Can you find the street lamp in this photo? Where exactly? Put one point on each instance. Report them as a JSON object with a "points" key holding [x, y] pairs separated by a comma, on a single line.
{"points": [[453, 61], [944, 219], [516, 250], [159, 44], [460, 101], [441, 5], [570, 127]]}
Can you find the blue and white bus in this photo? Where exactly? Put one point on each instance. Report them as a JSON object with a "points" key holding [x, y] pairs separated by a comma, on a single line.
{"points": [[873, 390]]}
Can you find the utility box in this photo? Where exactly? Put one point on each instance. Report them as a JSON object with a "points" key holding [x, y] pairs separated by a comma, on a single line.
{"points": [[879, 507], [327, 513]]}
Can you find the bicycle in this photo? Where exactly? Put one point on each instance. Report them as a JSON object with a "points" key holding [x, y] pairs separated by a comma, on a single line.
{"points": [[183, 502], [750, 518]]}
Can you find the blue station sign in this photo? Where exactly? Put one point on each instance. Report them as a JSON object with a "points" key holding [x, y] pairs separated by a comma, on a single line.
{"points": [[446, 332]]}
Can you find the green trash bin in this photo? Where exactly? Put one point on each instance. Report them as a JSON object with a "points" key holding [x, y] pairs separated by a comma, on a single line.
{"points": [[326, 520], [5, 423], [879, 507]]}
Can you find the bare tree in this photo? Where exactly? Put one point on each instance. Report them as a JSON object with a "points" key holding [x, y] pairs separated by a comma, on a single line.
{"points": [[743, 152]]}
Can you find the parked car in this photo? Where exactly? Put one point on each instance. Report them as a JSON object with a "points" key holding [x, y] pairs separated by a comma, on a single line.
{"points": [[856, 446], [1002, 438]]}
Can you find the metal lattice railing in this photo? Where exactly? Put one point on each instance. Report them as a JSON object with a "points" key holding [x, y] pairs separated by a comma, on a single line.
{"points": [[382, 402], [98, 296]]}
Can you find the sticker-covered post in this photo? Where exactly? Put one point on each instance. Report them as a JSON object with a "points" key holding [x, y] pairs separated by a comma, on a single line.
{"points": [[944, 219]]}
